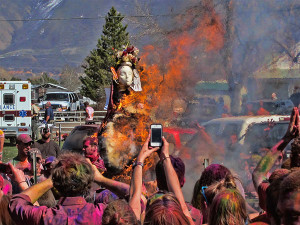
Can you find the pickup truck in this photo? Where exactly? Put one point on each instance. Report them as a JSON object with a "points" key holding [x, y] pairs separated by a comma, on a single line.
{"points": [[61, 101], [251, 133]]}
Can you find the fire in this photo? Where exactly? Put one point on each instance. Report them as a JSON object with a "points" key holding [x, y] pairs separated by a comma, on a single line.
{"points": [[211, 31], [165, 76], [127, 172]]}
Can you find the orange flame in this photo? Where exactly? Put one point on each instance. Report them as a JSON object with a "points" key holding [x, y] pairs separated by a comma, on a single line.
{"points": [[162, 84]]}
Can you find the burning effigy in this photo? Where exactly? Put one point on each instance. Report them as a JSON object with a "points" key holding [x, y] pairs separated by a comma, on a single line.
{"points": [[125, 126]]}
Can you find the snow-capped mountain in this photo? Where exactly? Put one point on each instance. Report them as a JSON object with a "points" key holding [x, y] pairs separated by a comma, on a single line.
{"points": [[42, 35]]}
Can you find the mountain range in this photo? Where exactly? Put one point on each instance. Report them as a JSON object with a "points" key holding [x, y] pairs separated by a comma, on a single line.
{"points": [[45, 35]]}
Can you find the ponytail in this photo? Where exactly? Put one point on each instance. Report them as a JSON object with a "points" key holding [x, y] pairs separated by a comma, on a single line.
{"points": [[226, 183]]}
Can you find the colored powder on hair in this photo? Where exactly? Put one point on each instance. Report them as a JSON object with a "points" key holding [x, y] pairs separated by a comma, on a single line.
{"points": [[215, 168], [227, 196], [229, 200], [155, 197], [75, 171], [80, 169], [6, 189]]}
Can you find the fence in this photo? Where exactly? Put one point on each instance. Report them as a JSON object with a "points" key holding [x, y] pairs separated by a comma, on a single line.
{"points": [[66, 121]]}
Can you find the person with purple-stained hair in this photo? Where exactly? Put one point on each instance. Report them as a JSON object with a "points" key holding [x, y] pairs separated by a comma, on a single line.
{"points": [[72, 176], [213, 173], [48, 165], [162, 185]]}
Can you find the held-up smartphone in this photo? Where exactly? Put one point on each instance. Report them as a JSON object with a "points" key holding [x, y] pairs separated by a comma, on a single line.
{"points": [[156, 135], [5, 168]]}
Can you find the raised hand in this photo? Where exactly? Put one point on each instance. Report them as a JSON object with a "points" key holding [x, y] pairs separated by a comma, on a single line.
{"points": [[146, 150], [97, 175], [17, 175], [165, 150], [294, 125]]}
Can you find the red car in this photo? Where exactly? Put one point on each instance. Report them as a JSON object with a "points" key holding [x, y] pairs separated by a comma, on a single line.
{"points": [[180, 135]]}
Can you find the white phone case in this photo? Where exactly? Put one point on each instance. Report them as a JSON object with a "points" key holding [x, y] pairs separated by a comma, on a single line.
{"points": [[155, 144]]}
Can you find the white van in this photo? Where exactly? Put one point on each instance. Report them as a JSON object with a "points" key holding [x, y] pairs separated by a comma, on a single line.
{"points": [[61, 101], [15, 106], [251, 132]]}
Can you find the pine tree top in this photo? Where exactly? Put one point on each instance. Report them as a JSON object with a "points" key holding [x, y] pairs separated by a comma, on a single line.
{"points": [[97, 64]]}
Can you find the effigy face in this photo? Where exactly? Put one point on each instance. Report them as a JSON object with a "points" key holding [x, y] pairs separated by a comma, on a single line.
{"points": [[125, 75]]}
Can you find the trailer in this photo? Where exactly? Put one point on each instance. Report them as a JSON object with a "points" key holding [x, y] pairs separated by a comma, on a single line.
{"points": [[15, 108]]}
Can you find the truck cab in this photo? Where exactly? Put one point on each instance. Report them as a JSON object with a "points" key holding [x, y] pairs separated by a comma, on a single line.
{"points": [[61, 101]]}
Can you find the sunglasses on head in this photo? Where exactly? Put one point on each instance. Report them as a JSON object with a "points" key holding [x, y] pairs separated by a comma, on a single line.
{"points": [[46, 130], [203, 193], [47, 166]]}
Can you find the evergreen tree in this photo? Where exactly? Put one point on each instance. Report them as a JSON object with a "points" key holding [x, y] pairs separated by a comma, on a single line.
{"points": [[97, 64]]}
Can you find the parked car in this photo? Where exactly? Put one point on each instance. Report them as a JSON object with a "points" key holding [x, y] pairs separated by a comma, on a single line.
{"points": [[74, 141], [61, 101], [274, 107]]}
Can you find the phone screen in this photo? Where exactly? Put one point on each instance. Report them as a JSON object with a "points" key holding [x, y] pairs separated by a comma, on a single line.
{"points": [[156, 135]]}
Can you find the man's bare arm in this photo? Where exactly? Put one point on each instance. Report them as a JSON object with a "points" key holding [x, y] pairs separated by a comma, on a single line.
{"points": [[118, 188], [36, 191]]}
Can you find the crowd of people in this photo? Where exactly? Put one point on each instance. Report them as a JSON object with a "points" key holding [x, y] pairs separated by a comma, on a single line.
{"points": [[43, 185]]}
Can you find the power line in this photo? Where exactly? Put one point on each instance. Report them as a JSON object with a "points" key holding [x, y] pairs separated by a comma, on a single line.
{"points": [[86, 18], [103, 17]]}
